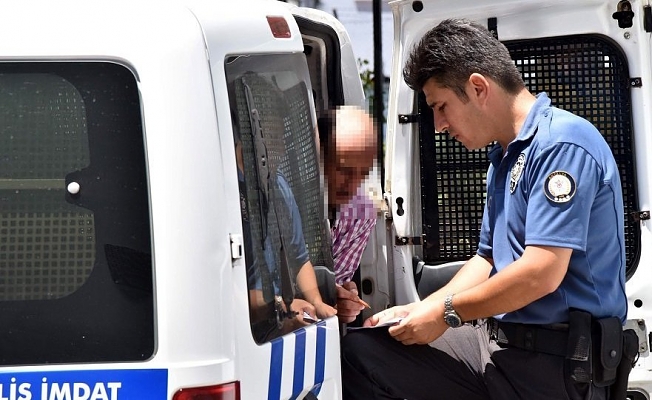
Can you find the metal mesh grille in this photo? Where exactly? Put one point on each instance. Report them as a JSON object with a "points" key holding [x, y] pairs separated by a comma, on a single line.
{"points": [[460, 191], [589, 77], [586, 75], [302, 168], [47, 246], [75, 268], [290, 142], [267, 102], [35, 254]]}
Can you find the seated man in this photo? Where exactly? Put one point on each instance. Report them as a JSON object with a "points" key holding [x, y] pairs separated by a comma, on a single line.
{"points": [[348, 145]]}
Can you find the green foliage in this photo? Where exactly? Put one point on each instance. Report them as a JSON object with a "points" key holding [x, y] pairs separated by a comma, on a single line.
{"points": [[367, 77]]}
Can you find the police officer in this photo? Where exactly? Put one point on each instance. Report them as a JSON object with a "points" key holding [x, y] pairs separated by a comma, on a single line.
{"points": [[552, 241]]}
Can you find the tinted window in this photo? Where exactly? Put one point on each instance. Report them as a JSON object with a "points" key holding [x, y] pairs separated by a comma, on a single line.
{"points": [[75, 260], [281, 200]]}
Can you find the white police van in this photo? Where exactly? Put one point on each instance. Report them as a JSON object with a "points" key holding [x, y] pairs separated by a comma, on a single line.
{"points": [[594, 58], [122, 267]]}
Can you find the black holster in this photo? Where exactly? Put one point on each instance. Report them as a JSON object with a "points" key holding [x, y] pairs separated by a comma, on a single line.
{"points": [[600, 352], [618, 390]]}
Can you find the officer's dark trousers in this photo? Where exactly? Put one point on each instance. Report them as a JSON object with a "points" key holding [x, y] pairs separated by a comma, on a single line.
{"points": [[463, 364]]}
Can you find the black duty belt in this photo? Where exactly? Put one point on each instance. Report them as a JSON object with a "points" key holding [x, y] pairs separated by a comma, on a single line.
{"points": [[547, 339]]}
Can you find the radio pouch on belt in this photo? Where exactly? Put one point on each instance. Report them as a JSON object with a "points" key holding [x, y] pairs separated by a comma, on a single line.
{"points": [[607, 350]]}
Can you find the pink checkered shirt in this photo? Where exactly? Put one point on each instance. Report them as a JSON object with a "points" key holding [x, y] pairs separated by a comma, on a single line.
{"points": [[350, 232]]}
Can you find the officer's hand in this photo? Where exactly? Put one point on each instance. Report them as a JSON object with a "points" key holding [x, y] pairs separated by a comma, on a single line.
{"points": [[389, 314], [348, 302], [422, 325]]}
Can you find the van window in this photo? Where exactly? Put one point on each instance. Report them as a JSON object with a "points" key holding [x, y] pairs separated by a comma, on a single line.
{"points": [[75, 259], [584, 74], [281, 200]]}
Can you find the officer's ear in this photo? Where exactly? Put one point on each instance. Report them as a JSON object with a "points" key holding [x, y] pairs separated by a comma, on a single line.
{"points": [[479, 88]]}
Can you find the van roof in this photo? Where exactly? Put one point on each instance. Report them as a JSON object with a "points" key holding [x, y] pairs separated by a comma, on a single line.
{"points": [[130, 30]]}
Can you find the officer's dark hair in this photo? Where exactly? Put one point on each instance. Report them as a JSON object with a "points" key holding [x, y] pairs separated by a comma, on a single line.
{"points": [[455, 49]]}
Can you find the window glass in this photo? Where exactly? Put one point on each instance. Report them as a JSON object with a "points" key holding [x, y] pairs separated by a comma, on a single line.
{"points": [[287, 249], [75, 260]]}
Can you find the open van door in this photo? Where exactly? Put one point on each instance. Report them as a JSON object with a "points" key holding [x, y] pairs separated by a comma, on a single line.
{"points": [[594, 59], [336, 82], [265, 94]]}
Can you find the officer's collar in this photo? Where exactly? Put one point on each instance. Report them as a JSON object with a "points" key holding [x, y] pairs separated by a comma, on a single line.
{"points": [[528, 129]]}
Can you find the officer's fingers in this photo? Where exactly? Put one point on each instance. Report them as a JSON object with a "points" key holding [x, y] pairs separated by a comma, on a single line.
{"points": [[398, 331], [405, 338], [408, 342], [371, 321], [384, 316]]}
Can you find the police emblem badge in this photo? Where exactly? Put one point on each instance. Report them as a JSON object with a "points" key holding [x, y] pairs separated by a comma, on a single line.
{"points": [[559, 187], [517, 171]]}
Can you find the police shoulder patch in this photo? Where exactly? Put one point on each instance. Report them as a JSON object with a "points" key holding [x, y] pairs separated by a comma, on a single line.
{"points": [[559, 187]]}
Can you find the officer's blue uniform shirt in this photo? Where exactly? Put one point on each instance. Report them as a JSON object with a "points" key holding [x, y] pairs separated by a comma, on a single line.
{"points": [[558, 185]]}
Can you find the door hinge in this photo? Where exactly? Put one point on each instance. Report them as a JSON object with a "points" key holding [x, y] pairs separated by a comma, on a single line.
{"points": [[405, 240], [640, 215], [408, 118], [636, 82]]}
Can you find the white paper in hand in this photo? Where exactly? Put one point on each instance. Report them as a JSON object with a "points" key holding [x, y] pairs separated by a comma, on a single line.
{"points": [[390, 322]]}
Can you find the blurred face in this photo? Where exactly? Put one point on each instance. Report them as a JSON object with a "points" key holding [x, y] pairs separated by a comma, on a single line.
{"points": [[462, 120], [344, 174]]}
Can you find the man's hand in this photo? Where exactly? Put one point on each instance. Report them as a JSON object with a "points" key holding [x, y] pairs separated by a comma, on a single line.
{"points": [[323, 310], [348, 302], [389, 314], [301, 306], [422, 324]]}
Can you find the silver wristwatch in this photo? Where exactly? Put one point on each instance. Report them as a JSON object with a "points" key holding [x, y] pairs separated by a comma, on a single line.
{"points": [[450, 315]]}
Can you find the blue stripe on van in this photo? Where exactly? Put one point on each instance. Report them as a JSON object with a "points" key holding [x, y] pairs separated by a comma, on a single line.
{"points": [[299, 361], [320, 357], [275, 370]]}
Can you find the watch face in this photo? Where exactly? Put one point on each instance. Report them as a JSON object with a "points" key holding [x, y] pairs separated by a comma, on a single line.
{"points": [[453, 320]]}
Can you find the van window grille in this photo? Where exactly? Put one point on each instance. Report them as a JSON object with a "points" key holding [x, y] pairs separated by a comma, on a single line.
{"points": [[586, 75], [43, 137], [272, 92], [75, 268]]}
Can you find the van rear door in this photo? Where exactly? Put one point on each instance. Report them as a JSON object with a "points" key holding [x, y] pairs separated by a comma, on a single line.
{"points": [[335, 77], [592, 58], [274, 93]]}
